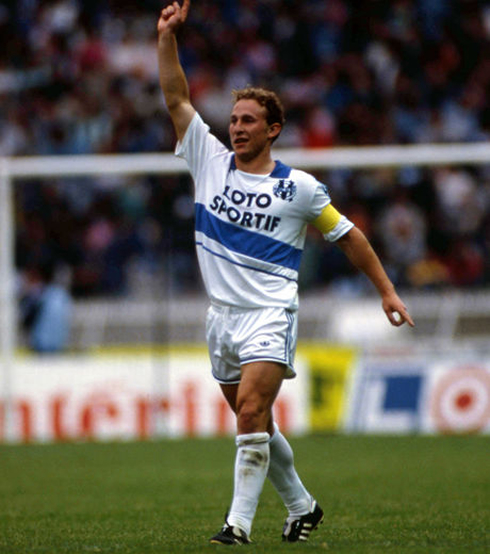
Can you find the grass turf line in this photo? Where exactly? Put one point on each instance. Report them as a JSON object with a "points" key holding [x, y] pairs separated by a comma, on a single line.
{"points": [[379, 494]]}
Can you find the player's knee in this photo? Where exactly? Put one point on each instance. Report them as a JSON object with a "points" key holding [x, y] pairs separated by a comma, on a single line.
{"points": [[252, 418]]}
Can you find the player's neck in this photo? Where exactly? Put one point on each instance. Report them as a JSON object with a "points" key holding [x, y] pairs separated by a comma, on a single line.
{"points": [[260, 165]]}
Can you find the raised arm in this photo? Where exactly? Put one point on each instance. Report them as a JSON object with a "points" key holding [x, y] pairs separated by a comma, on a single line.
{"points": [[359, 251], [172, 77]]}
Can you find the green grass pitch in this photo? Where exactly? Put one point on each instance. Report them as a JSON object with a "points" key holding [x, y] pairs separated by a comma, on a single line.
{"points": [[380, 494]]}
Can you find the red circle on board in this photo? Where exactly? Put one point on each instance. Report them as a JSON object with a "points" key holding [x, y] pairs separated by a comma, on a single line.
{"points": [[460, 402]]}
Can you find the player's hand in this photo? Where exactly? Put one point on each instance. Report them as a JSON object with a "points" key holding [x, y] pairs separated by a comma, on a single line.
{"points": [[172, 17], [396, 311]]}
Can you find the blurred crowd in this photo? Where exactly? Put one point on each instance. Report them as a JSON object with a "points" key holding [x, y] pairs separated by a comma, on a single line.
{"points": [[79, 77]]}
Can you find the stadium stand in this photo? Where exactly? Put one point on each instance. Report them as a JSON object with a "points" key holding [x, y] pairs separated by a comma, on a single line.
{"points": [[81, 77]]}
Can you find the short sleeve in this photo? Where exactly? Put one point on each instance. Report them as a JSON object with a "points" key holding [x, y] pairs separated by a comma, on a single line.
{"points": [[198, 145], [343, 226], [321, 200]]}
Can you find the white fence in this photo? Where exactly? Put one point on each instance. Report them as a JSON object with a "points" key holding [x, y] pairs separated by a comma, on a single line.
{"points": [[441, 319]]}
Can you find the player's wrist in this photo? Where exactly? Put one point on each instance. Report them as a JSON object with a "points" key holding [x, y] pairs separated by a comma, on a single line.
{"points": [[386, 289], [167, 34]]}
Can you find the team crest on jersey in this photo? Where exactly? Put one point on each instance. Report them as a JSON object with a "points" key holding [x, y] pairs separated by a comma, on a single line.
{"points": [[285, 190]]}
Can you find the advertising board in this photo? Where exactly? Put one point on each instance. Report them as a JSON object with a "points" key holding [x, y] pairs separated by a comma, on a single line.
{"points": [[128, 395], [442, 393]]}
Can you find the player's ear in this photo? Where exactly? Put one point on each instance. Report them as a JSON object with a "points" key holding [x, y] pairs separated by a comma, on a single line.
{"points": [[274, 130]]}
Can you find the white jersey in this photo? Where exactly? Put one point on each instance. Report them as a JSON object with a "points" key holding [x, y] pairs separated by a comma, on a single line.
{"points": [[250, 229]]}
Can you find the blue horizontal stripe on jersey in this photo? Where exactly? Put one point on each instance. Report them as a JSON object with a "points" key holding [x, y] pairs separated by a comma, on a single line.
{"points": [[198, 243], [246, 242]]}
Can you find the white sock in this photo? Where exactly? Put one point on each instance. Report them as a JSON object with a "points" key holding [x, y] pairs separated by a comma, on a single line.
{"points": [[284, 477], [251, 466]]}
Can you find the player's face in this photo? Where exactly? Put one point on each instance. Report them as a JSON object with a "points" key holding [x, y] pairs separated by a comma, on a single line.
{"points": [[250, 133]]}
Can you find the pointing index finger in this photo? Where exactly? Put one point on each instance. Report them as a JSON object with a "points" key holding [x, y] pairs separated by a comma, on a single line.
{"points": [[185, 8]]}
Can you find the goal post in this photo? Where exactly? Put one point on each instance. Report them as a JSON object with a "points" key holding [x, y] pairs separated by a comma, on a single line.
{"points": [[364, 157], [8, 319], [45, 167]]}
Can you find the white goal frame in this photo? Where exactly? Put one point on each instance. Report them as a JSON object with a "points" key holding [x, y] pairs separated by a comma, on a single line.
{"points": [[12, 169]]}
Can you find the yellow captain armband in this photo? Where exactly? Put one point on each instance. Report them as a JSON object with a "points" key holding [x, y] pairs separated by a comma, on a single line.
{"points": [[327, 220]]}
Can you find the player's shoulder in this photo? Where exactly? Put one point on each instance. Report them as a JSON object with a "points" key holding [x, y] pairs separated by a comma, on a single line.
{"points": [[198, 130], [303, 177], [283, 171], [303, 182]]}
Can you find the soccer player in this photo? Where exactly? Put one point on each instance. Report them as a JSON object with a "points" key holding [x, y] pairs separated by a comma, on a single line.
{"points": [[251, 217]]}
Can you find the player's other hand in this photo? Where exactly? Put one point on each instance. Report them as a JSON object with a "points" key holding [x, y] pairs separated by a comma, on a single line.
{"points": [[396, 311], [172, 17]]}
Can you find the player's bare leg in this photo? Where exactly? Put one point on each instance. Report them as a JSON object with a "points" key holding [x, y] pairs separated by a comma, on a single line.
{"points": [[257, 391]]}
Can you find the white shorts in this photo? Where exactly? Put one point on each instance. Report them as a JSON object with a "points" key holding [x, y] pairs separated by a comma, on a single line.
{"points": [[237, 336]]}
